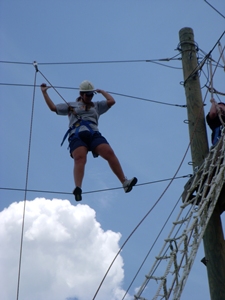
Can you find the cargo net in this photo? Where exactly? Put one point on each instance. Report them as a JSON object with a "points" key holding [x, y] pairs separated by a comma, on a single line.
{"points": [[172, 266]]}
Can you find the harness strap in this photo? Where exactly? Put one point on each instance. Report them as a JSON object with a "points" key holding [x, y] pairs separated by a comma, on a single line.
{"points": [[76, 126]]}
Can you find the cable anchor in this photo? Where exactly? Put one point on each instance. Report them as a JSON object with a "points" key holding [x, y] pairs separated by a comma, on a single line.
{"points": [[35, 65]]}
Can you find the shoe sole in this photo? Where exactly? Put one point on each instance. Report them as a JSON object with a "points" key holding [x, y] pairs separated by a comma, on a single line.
{"points": [[78, 196], [133, 182]]}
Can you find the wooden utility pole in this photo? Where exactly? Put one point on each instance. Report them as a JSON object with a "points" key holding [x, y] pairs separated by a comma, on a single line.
{"points": [[196, 117], [213, 239]]}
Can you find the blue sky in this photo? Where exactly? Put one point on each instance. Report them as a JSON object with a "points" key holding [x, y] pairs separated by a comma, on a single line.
{"points": [[150, 139]]}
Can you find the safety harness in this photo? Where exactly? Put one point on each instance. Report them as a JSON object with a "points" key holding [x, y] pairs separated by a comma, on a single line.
{"points": [[76, 126]]}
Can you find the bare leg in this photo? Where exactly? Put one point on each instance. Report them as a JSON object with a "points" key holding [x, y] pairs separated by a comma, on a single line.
{"points": [[105, 151], [80, 158]]}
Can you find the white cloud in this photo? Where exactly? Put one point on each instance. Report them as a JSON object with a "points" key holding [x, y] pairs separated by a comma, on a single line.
{"points": [[65, 253]]}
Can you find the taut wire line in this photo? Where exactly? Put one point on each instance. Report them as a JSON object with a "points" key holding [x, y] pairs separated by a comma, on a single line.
{"points": [[37, 70], [211, 89], [215, 9], [71, 109], [101, 62], [113, 93], [221, 52], [211, 78], [94, 191], [25, 193], [215, 91], [144, 260], [200, 66]]}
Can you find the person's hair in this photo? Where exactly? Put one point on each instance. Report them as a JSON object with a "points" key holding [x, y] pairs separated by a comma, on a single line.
{"points": [[221, 103], [80, 99]]}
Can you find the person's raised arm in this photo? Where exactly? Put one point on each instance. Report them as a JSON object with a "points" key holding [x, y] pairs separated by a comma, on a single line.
{"points": [[48, 100], [213, 109], [110, 100], [216, 109]]}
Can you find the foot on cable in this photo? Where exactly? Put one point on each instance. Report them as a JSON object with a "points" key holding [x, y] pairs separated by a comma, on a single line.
{"points": [[77, 193], [128, 184]]}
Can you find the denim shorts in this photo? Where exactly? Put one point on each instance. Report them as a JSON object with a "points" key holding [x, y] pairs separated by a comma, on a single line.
{"points": [[86, 139]]}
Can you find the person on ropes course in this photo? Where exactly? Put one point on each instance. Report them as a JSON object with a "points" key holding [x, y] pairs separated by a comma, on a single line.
{"points": [[83, 133], [216, 119]]}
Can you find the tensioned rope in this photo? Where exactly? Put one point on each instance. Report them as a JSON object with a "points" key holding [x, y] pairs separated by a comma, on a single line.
{"points": [[211, 89], [94, 191], [213, 61], [210, 64], [118, 94], [149, 251], [215, 9], [156, 61], [37, 70], [200, 66], [223, 58], [25, 190], [113, 93], [214, 91]]}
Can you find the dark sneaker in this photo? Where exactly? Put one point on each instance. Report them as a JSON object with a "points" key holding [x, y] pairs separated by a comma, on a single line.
{"points": [[77, 193], [128, 184]]}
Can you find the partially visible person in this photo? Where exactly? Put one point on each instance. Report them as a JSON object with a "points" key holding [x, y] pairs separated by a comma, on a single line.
{"points": [[84, 134], [216, 119]]}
